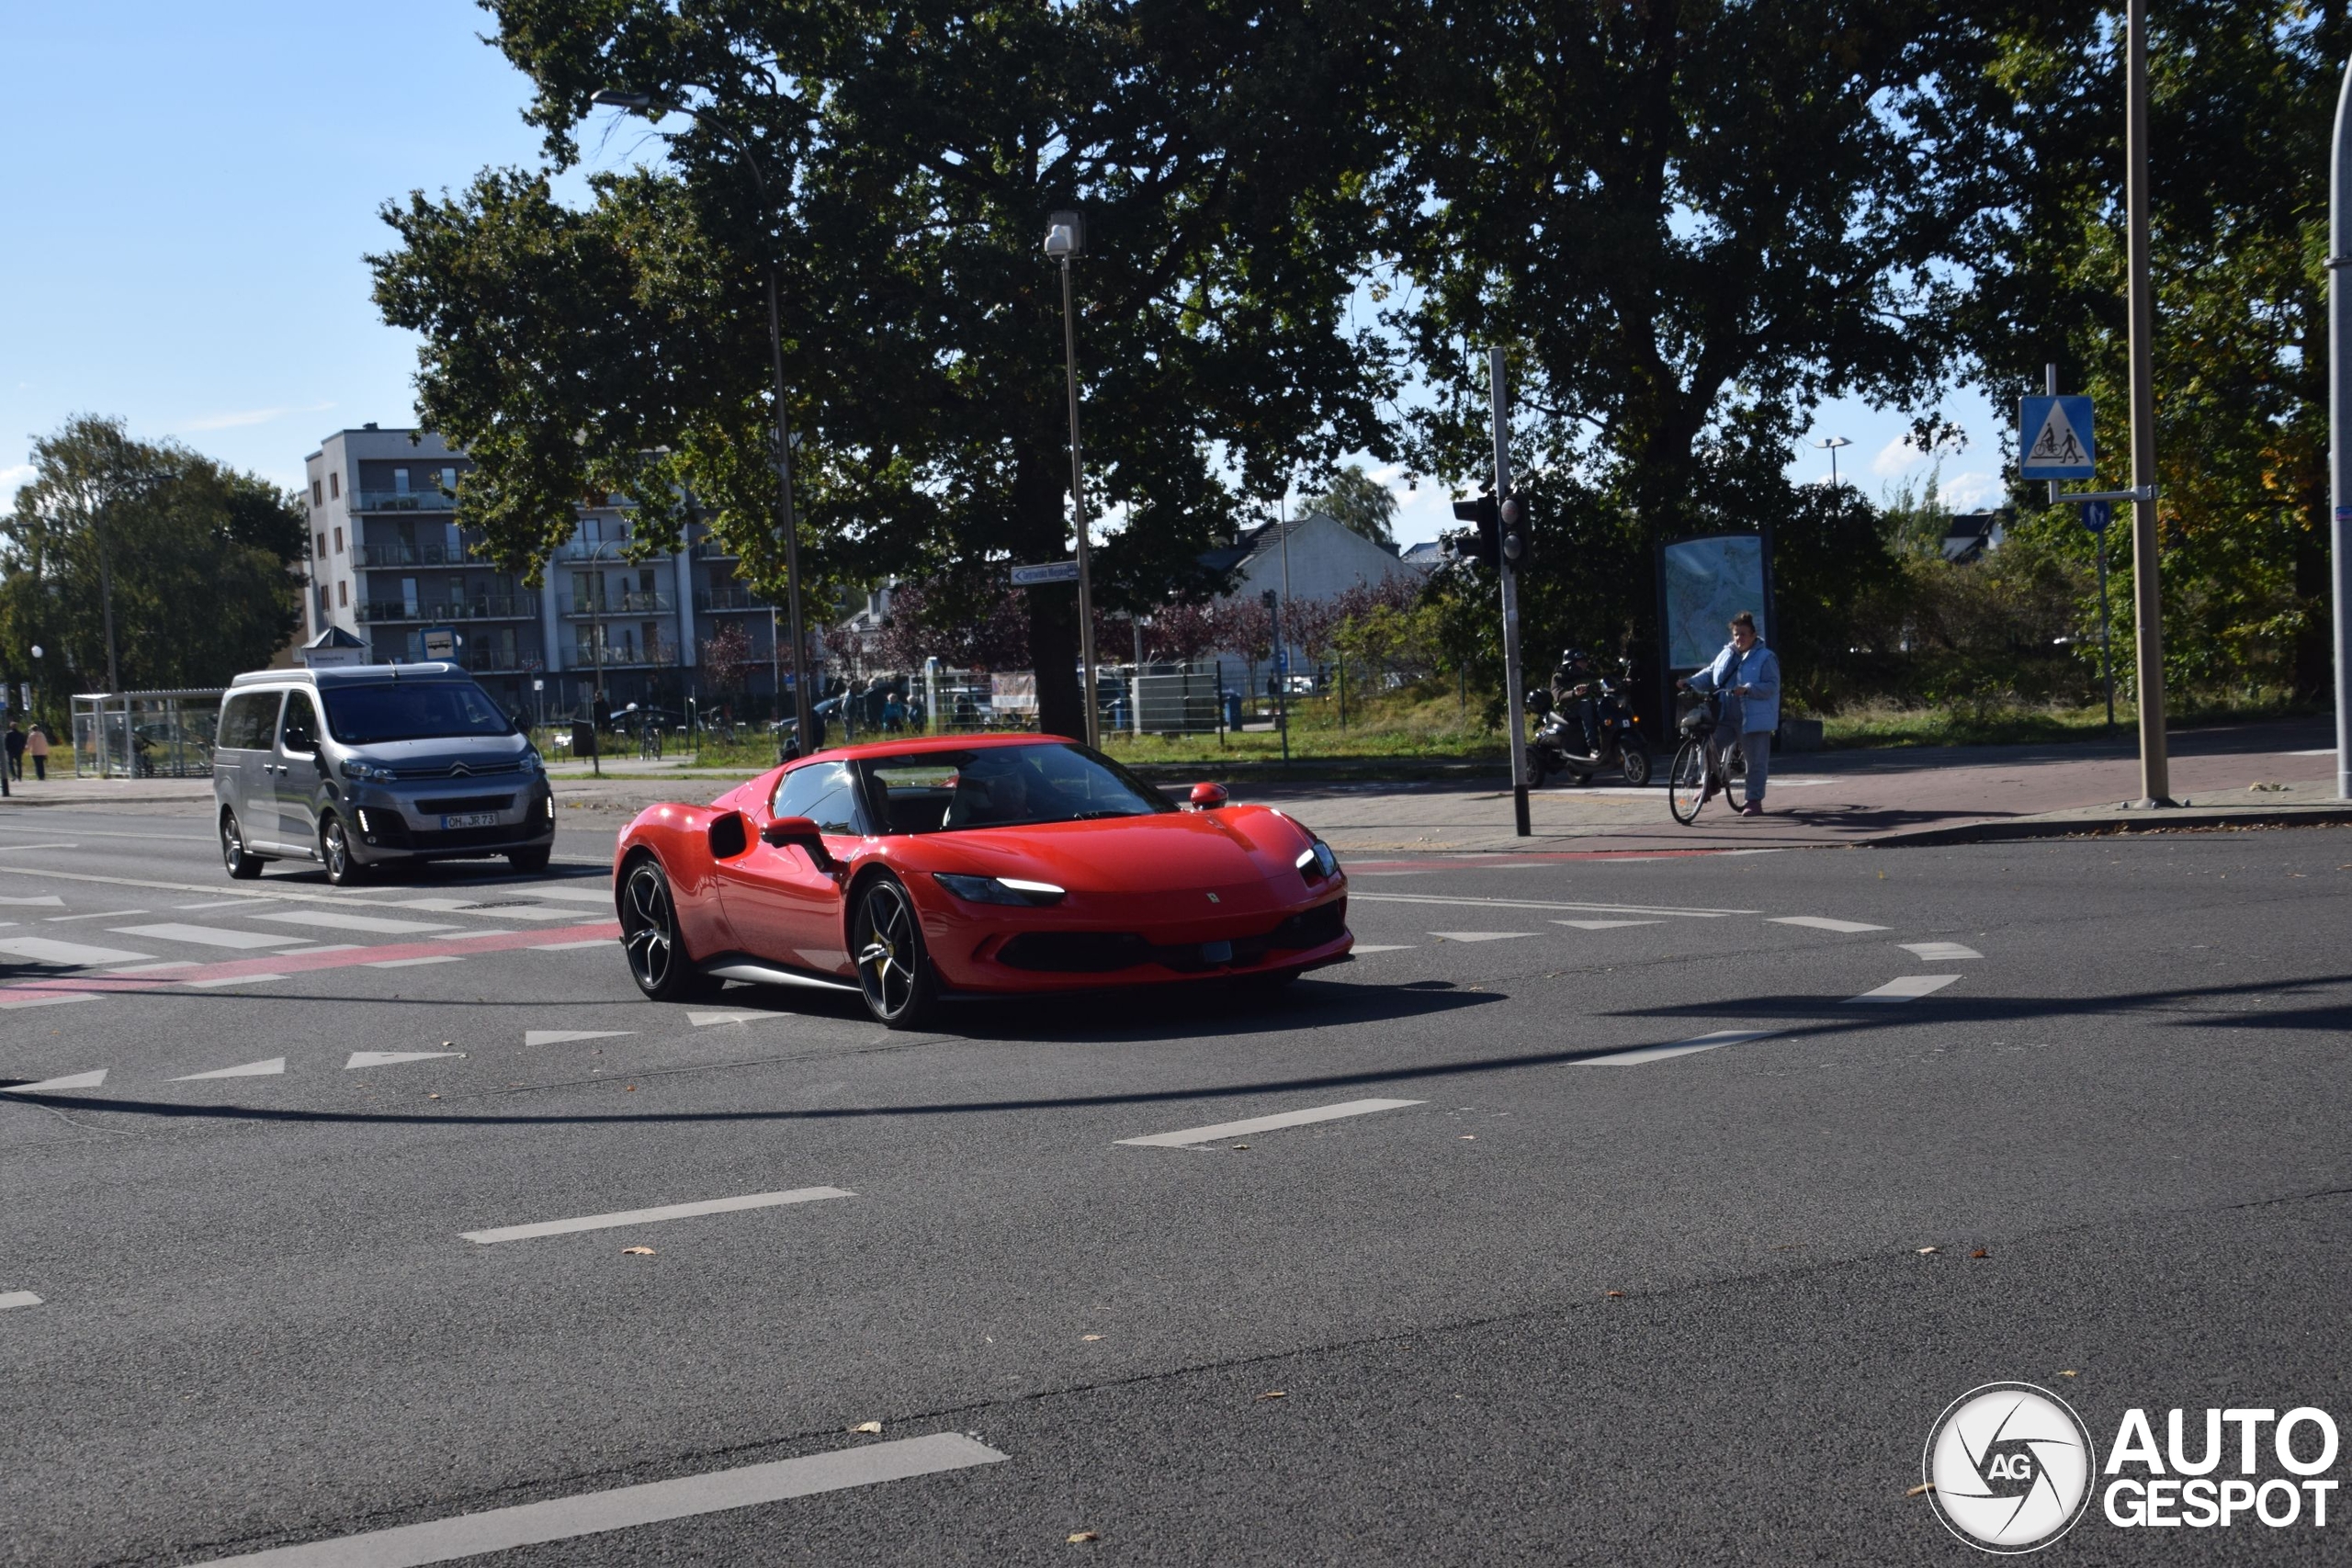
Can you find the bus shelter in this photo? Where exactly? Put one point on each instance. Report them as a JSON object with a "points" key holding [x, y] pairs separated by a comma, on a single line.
{"points": [[146, 734]]}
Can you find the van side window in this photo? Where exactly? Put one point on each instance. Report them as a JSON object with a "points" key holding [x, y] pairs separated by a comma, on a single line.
{"points": [[248, 720], [300, 729]]}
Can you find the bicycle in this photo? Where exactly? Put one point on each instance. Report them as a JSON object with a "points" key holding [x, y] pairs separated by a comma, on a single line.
{"points": [[1695, 776]]}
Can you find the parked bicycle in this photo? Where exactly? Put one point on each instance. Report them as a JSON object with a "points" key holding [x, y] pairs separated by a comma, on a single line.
{"points": [[1698, 773]]}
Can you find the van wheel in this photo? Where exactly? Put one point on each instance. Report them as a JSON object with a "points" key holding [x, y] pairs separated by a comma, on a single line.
{"points": [[334, 852], [529, 861], [240, 861]]}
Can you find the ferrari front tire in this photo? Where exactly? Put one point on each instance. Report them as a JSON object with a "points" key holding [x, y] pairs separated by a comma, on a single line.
{"points": [[893, 971], [658, 960]]}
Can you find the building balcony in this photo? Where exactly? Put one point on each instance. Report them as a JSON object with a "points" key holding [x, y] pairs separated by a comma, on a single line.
{"points": [[402, 500], [635, 603], [621, 655], [400, 553], [735, 597], [711, 549], [516, 608]]}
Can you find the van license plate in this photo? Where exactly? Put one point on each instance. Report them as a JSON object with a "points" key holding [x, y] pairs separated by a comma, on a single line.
{"points": [[471, 819]]}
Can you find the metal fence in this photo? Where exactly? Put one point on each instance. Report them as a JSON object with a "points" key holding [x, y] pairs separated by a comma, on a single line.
{"points": [[145, 735]]}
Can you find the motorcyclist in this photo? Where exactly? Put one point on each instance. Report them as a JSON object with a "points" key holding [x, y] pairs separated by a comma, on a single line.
{"points": [[1574, 694]]}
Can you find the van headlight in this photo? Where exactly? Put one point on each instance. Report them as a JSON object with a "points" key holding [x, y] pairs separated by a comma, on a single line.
{"points": [[532, 761], [366, 772]]}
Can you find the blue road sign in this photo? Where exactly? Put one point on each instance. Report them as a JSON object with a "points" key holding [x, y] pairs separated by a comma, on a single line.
{"points": [[1051, 572], [2097, 516], [2054, 437]]}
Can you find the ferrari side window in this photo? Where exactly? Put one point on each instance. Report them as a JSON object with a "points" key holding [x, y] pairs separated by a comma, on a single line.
{"points": [[824, 795]]}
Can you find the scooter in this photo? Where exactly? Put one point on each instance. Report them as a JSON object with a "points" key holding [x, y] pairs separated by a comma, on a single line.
{"points": [[1558, 743]]}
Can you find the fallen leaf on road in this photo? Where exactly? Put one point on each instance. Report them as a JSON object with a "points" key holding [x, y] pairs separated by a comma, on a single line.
{"points": [[1089, 1338], [2067, 1374], [432, 1097], [1613, 1292], [1275, 1393], [1924, 1486], [630, 1089], [448, 1043], [637, 1252], [1240, 1145], [1075, 1537], [1980, 1252], [2268, 788], [1469, 1138], [1925, 1250], [871, 1428]]}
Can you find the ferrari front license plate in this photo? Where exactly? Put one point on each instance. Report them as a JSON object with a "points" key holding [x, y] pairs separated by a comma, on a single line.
{"points": [[471, 819], [1217, 953]]}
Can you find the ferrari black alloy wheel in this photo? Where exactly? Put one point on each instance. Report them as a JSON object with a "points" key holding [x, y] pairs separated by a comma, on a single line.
{"points": [[892, 969], [657, 959]]}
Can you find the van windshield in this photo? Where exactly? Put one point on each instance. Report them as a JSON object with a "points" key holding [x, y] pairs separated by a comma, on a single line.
{"points": [[412, 710]]}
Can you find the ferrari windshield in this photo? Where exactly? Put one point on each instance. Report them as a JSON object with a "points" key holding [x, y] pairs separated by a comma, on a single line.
{"points": [[1003, 786], [411, 710]]}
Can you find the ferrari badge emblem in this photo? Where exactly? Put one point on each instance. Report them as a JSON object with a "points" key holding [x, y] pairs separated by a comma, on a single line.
{"points": [[1213, 898]]}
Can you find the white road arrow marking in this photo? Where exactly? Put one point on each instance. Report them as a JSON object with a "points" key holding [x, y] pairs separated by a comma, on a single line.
{"points": [[78, 1080], [1479, 936], [274, 1065], [1605, 925], [699, 1018], [558, 1036], [393, 1058], [1716, 1042]]}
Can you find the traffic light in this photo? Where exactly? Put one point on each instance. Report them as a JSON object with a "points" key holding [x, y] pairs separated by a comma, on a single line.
{"points": [[1517, 532], [1487, 516]]}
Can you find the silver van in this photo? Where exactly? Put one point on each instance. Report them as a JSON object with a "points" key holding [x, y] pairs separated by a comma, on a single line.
{"points": [[372, 764]]}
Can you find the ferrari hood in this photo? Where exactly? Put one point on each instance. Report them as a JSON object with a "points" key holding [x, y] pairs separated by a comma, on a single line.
{"points": [[1184, 852]]}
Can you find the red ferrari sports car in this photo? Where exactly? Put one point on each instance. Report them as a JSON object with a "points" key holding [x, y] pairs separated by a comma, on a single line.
{"points": [[921, 871]]}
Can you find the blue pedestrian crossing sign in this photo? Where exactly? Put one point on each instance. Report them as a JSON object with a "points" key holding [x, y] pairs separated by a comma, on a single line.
{"points": [[2097, 516], [2054, 437]]}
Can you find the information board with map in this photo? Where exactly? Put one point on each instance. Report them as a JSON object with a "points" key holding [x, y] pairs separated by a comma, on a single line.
{"points": [[1706, 582]]}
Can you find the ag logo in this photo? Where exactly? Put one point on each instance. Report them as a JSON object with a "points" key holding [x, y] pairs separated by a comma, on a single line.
{"points": [[2009, 1467]]}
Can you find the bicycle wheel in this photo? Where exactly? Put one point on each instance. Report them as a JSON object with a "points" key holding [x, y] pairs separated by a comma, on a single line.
{"points": [[1686, 782]]}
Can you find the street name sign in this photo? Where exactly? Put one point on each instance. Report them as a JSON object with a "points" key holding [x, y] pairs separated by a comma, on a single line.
{"points": [[2054, 438], [1051, 572]]}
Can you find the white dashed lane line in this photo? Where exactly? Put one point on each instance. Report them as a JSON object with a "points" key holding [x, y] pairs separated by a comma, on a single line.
{"points": [[213, 981], [1543, 904], [1822, 923], [1909, 988], [567, 1518], [1940, 952], [270, 1068], [650, 1216], [1605, 925], [338, 920], [1714, 1042], [209, 936], [413, 963], [72, 1080], [1479, 936], [1193, 1135], [18, 1299], [45, 950], [394, 1058]]}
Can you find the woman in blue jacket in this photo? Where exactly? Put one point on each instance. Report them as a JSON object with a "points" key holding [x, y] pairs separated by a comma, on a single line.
{"points": [[1748, 675]]}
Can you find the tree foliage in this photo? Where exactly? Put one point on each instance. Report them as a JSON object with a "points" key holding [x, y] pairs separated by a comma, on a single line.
{"points": [[198, 554], [1358, 502], [910, 156]]}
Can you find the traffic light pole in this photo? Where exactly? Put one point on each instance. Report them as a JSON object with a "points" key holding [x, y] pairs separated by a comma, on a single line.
{"points": [[1508, 570]]}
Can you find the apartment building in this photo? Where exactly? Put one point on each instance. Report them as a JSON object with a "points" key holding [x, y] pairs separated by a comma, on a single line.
{"points": [[389, 565]]}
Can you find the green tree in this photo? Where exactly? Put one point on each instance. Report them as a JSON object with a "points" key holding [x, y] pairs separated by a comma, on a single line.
{"points": [[1359, 503], [199, 558], [2242, 96], [1221, 155]]}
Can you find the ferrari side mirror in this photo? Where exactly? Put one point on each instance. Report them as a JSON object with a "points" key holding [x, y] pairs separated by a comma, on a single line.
{"points": [[1208, 796], [786, 831]]}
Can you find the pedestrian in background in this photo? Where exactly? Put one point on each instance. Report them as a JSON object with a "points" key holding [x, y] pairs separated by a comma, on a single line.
{"points": [[37, 748], [16, 752], [1747, 674]]}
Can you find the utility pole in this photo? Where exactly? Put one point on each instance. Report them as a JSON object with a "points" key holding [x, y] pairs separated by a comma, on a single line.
{"points": [[1064, 238], [2339, 425], [1282, 629], [2147, 594], [1509, 572]]}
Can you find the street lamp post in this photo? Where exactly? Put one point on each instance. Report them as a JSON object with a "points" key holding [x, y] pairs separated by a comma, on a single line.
{"points": [[1831, 444], [1064, 238], [804, 709]]}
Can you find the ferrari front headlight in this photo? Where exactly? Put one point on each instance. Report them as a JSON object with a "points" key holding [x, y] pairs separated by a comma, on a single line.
{"points": [[999, 889], [1317, 860]]}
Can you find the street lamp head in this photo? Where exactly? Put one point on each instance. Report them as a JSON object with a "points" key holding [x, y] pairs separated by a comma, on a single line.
{"points": [[612, 98], [1064, 235], [36, 650], [1833, 443]]}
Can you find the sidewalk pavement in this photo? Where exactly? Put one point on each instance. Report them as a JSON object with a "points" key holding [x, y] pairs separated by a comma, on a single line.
{"points": [[2241, 776]]}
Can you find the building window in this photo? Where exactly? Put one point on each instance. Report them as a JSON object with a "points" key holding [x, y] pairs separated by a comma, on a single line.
{"points": [[318, 493], [449, 481], [335, 486], [399, 481], [338, 541], [342, 594]]}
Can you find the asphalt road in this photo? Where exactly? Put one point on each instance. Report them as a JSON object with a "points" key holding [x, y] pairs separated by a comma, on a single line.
{"points": [[1576, 1301]]}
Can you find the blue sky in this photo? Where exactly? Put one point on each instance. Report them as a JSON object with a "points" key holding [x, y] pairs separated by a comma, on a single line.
{"points": [[191, 190]]}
